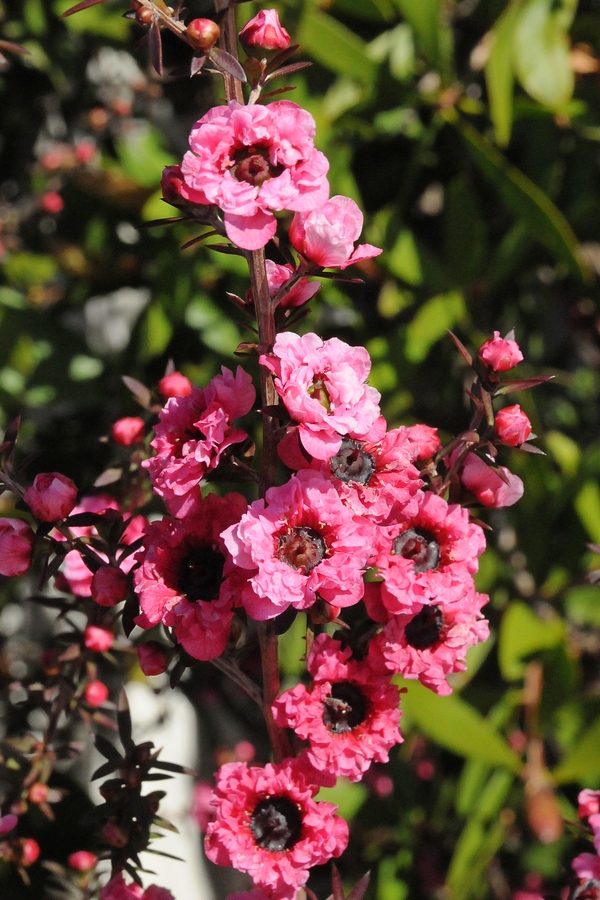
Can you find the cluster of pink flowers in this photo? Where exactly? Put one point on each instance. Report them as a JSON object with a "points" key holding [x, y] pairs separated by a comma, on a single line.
{"points": [[587, 865]]}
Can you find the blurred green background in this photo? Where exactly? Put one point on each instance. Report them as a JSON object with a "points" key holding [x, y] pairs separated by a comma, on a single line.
{"points": [[469, 132]]}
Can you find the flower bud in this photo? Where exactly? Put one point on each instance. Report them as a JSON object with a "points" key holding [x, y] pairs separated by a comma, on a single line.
{"points": [[152, 658], [26, 851], [202, 34], [85, 151], [95, 693], [128, 430], [38, 792], [500, 354], [52, 202], [171, 184], [52, 496], [114, 834], [512, 425], [487, 486], [16, 546], [98, 639], [7, 823], [265, 32], [82, 860], [175, 384], [142, 14], [109, 586]]}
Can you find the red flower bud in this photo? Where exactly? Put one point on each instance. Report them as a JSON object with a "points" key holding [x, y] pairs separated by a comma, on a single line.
{"points": [[26, 851], [202, 34], [129, 430], [38, 792], [95, 693], [98, 639], [16, 545], [52, 202], [152, 657], [52, 496], [512, 425], [82, 860], [500, 354], [171, 183], [175, 385], [109, 586], [265, 31]]}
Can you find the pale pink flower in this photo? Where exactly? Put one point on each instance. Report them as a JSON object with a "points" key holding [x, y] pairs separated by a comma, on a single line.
{"points": [[175, 385], [128, 430], [323, 387], [52, 496], [278, 276], [299, 542], [350, 715], [487, 486], [187, 579], [430, 641], [425, 440], [589, 803], [265, 31], [251, 160], [326, 235], [500, 354], [268, 824], [192, 434], [16, 546], [512, 425], [98, 639]]}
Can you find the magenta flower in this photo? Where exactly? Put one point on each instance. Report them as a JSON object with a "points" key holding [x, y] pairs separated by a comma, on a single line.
{"points": [[16, 546], [192, 434], [265, 31], [128, 430], [187, 579], [500, 354], [588, 803], [325, 235], [587, 868], [152, 657], [350, 715], [512, 425], [98, 639], [175, 385], [322, 385], [252, 160], [430, 641], [82, 860], [487, 486], [268, 824], [52, 496], [425, 441], [117, 889], [299, 542], [277, 276]]}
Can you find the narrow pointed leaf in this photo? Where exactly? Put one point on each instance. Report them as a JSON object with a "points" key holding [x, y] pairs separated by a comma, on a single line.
{"points": [[360, 888], [85, 4], [155, 41], [225, 62], [140, 391], [106, 749], [124, 720], [196, 65]]}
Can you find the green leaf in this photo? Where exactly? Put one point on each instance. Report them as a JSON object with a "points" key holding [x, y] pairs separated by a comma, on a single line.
{"points": [[582, 605], [142, 155], [403, 259], [336, 47], [465, 232], [541, 54], [155, 333], [499, 75], [101, 20], [431, 31], [453, 724], [347, 796], [431, 323], [565, 451], [522, 633], [583, 762], [368, 10], [587, 507], [525, 199]]}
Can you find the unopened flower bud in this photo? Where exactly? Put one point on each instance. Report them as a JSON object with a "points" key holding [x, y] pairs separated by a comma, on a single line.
{"points": [[95, 693], [175, 384], [202, 34], [171, 184], [114, 834], [128, 430], [265, 32], [109, 586], [512, 425], [52, 496], [142, 14], [38, 792], [16, 546], [82, 860], [98, 639], [52, 202], [152, 658], [84, 152], [500, 354], [26, 851]]}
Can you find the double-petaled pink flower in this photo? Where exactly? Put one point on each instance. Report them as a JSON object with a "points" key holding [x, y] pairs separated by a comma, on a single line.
{"points": [[251, 161], [326, 235]]}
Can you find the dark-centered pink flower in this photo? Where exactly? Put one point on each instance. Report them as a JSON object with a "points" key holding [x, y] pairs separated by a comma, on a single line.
{"points": [[252, 160], [52, 496], [16, 546], [350, 715], [268, 824], [323, 387], [326, 235]]}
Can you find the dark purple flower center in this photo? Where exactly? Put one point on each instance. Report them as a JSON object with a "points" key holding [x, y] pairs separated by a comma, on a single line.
{"points": [[252, 164], [301, 548], [318, 391], [420, 546], [344, 709], [276, 824], [425, 629], [352, 463], [200, 574]]}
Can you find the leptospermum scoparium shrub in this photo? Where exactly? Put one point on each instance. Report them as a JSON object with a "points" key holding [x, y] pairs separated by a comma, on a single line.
{"points": [[364, 530]]}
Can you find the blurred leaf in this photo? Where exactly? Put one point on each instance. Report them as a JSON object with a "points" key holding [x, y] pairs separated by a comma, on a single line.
{"points": [[565, 451], [522, 633], [431, 31], [30, 269], [347, 795], [541, 54], [465, 232], [582, 605], [525, 200], [458, 727], [587, 506], [403, 259], [142, 155], [499, 75], [98, 19], [336, 47], [156, 332], [369, 10], [431, 323], [583, 762]]}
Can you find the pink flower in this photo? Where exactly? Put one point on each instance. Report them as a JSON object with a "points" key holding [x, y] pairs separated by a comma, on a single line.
{"points": [[430, 641], [325, 235], [82, 860], [108, 586], [268, 824], [154, 892], [52, 496], [278, 276], [29, 851], [129, 430], [152, 658], [192, 434], [265, 31], [297, 543], [500, 354], [350, 715], [16, 546], [589, 803], [175, 385], [587, 867], [98, 639], [38, 792], [425, 440], [203, 810], [512, 425], [95, 693], [487, 486], [251, 160], [187, 579], [322, 385], [117, 889]]}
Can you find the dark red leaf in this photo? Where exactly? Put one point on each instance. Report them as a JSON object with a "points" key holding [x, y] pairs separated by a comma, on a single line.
{"points": [[155, 42], [85, 4], [196, 65], [225, 62]]}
